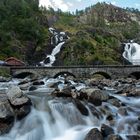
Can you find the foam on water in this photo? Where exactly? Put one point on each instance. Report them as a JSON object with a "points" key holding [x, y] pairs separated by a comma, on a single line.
{"points": [[132, 53], [58, 41], [59, 118]]}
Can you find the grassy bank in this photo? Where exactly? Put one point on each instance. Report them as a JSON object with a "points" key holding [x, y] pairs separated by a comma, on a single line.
{"points": [[5, 71]]}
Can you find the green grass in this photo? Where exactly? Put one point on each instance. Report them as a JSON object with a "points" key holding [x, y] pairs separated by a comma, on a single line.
{"points": [[5, 71]]}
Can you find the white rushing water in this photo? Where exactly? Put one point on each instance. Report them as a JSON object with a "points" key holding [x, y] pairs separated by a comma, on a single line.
{"points": [[132, 53], [58, 40], [59, 118]]}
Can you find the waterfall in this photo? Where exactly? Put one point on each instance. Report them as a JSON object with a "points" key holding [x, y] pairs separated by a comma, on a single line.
{"points": [[132, 53], [64, 122], [58, 40]]}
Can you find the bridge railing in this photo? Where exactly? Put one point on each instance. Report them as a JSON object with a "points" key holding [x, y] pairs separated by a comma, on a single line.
{"points": [[105, 63]]}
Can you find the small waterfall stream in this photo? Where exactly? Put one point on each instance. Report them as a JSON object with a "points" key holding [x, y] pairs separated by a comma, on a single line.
{"points": [[58, 40]]}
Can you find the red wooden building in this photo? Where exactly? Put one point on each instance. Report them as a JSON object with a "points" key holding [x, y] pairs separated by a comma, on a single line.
{"points": [[12, 61]]}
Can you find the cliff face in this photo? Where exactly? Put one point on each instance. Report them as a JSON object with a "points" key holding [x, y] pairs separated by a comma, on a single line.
{"points": [[108, 13]]}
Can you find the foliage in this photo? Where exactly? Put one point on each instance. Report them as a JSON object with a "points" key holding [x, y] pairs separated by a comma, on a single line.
{"points": [[19, 24]]}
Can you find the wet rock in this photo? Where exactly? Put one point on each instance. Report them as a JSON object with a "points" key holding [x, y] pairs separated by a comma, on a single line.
{"points": [[94, 134], [92, 82], [16, 96], [22, 111], [95, 112], [127, 81], [80, 106], [106, 130], [4, 79], [20, 103], [53, 85], [25, 86], [139, 118], [6, 115], [47, 60], [123, 111], [74, 94], [32, 88], [124, 89], [133, 137], [114, 137], [38, 83], [134, 92], [65, 92], [106, 83], [94, 96], [110, 117], [24, 82], [114, 102]]}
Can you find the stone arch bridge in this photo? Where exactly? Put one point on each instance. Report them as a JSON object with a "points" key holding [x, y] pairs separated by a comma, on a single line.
{"points": [[80, 71]]}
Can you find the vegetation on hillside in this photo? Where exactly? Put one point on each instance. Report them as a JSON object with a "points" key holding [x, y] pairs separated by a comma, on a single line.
{"points": [[22, 30], [96, 33]]}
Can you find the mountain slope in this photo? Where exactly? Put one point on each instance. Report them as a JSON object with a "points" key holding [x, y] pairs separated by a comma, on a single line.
{"points": [[96, 33]]}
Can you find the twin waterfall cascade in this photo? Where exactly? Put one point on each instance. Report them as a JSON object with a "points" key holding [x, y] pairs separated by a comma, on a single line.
{"points": [[58, 39], [65, 108], [132, 53]]}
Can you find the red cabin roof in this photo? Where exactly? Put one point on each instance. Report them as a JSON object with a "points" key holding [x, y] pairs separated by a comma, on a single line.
{"points": [[14, 61]]}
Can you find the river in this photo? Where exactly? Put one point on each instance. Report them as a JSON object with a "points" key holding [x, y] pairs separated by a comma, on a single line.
{"points": [[58, 118]]}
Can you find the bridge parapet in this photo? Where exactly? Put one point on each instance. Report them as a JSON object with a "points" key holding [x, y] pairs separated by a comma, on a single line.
{"points": [[112, 71]]}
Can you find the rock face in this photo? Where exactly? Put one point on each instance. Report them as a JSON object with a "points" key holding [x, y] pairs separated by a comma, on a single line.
{"points": [[20, 103], [94, 134]]}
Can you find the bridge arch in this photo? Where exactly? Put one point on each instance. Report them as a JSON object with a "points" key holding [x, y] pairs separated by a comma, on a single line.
{"points": [[135, 75], [102, 73], [64, 73], [24, 73]]}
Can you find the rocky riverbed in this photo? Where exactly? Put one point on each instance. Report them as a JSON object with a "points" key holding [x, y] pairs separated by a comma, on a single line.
{"points": [[67, 108]]}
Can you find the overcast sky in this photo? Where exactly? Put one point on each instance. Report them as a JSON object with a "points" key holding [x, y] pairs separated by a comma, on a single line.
{"points": [[72, 5]]}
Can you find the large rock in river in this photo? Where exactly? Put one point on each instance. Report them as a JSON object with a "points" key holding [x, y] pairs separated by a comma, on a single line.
{"points": [[6, 115], [94, 134], [94, 96], [20, 103]]}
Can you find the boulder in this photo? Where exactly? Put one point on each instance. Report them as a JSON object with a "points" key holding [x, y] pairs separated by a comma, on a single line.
{"points": [[6, 115], [95, 112], [133, 137], [32, 88], [16, 97], [65, 92], [53, 85], [24, 86], [94, 96], [94, 134], [38, 83], [134, 92], [106, 130], [80, 106], [114, 102], [123, 111], [114, 137], [20, 103]]}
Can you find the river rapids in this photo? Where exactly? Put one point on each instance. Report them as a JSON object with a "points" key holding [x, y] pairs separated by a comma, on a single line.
{"points": [[59, 118]]}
